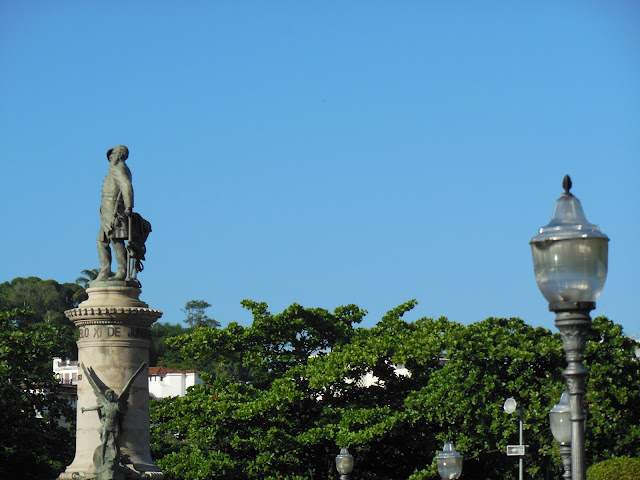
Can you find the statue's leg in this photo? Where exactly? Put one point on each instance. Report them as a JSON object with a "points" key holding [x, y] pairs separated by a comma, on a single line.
{"points": [[120, 252], [104, 256]]}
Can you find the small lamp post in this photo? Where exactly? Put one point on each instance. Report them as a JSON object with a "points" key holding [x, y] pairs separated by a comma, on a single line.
{"points": [[560, 419], [344, 463], [510, 406], [570, 257], [449, 462]]}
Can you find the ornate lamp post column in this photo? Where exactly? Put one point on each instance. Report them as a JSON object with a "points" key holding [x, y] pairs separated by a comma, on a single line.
{"points": [[570, 264]]}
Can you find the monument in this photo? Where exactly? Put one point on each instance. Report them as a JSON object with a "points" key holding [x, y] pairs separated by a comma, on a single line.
{"points": [[112, 432]]}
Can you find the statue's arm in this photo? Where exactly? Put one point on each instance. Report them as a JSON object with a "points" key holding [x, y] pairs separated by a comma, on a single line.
{"points": [[89, 409]]}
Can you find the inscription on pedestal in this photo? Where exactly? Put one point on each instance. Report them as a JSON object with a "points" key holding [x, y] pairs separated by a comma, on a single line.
{"points": [[96, 332]]}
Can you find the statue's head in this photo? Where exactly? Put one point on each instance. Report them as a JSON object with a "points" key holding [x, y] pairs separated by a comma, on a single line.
{"points": [[110, 395], [121, 151]]}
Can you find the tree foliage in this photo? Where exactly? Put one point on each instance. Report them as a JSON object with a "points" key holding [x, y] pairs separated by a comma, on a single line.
{"points": [[40, 300], [196, 316], [613, 393], [249, 430], [87, 276], [615, 469], [32, 445], [491, 361], [307, 398], [161, 353], [44, 301]]}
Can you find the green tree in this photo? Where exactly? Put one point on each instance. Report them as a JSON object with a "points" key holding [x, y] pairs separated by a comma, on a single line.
{"points": [[613, 393], [41, 300], [32, 445], [87, 276], [44, 301], [308, 397], [161, 354], [491, 361], [196, 316], [615, 469], [249, 430]]}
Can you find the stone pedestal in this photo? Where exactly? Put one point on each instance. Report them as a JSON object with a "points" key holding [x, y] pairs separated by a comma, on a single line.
{"points": [[114, 340]]}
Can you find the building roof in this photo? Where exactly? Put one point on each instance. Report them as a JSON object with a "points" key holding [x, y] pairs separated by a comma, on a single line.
{"points": [[68, 390], [162, 371]]}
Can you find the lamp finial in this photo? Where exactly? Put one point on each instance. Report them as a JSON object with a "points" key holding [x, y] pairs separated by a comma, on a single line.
{"points": [[566, 184]]}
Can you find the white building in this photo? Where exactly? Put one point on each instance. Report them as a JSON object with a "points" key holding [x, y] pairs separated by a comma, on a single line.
{"points": [[163, 382], [66, 370], [369, 379]]}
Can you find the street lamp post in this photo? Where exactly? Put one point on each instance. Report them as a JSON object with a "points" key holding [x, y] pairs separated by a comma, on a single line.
{"points": [[560, 419], [449, 462], [510, 406], [570, 264], [344, 463]]}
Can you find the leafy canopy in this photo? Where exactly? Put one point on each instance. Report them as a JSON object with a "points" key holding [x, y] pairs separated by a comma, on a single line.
{"points": [[305, 396], [196, 316], [31, 442]]}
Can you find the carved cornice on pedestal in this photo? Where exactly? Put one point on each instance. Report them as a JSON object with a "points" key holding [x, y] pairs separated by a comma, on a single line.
{"points": [[112, 303], [138, 316]]}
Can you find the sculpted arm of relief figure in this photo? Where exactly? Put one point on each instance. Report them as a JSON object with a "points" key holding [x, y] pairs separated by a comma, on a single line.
{"points": [[89, 409]]}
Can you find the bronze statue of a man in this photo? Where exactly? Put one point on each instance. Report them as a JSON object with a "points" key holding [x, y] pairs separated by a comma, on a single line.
{"points": [[115, 210]]}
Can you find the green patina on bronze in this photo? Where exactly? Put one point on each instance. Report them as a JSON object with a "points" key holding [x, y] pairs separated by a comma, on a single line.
{"points": [[118, 223]]}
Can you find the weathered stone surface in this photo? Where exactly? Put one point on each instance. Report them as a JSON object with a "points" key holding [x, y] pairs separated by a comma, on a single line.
{"points": [[112, 412], [113, 325]]}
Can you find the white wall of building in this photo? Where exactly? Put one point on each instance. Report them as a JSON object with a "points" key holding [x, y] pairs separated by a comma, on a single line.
{"points": [[171, 383], [163, 382], [66, 370]]}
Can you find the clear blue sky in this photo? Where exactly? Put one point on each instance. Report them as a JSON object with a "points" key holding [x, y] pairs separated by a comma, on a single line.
{"points": [[324, 153]]}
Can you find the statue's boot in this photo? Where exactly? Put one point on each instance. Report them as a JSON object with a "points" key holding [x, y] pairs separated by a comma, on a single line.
{"points": [[121, 257], [104, 256]]}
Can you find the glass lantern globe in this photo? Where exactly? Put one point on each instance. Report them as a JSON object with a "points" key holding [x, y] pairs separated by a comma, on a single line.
{"points": [[510, 405], [449, 462], [570, 255], [344, 462], [560, 419]]}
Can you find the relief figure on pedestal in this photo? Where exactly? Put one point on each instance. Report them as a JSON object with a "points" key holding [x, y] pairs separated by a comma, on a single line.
{"points": [[112, 410]]}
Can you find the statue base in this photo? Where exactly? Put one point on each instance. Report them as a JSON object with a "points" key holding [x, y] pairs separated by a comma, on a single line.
{"points": [[114, 283], [114, 339], [117, 476]]}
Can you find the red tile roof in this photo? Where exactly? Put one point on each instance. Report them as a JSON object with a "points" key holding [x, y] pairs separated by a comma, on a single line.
{"points": [[162, 371]]}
